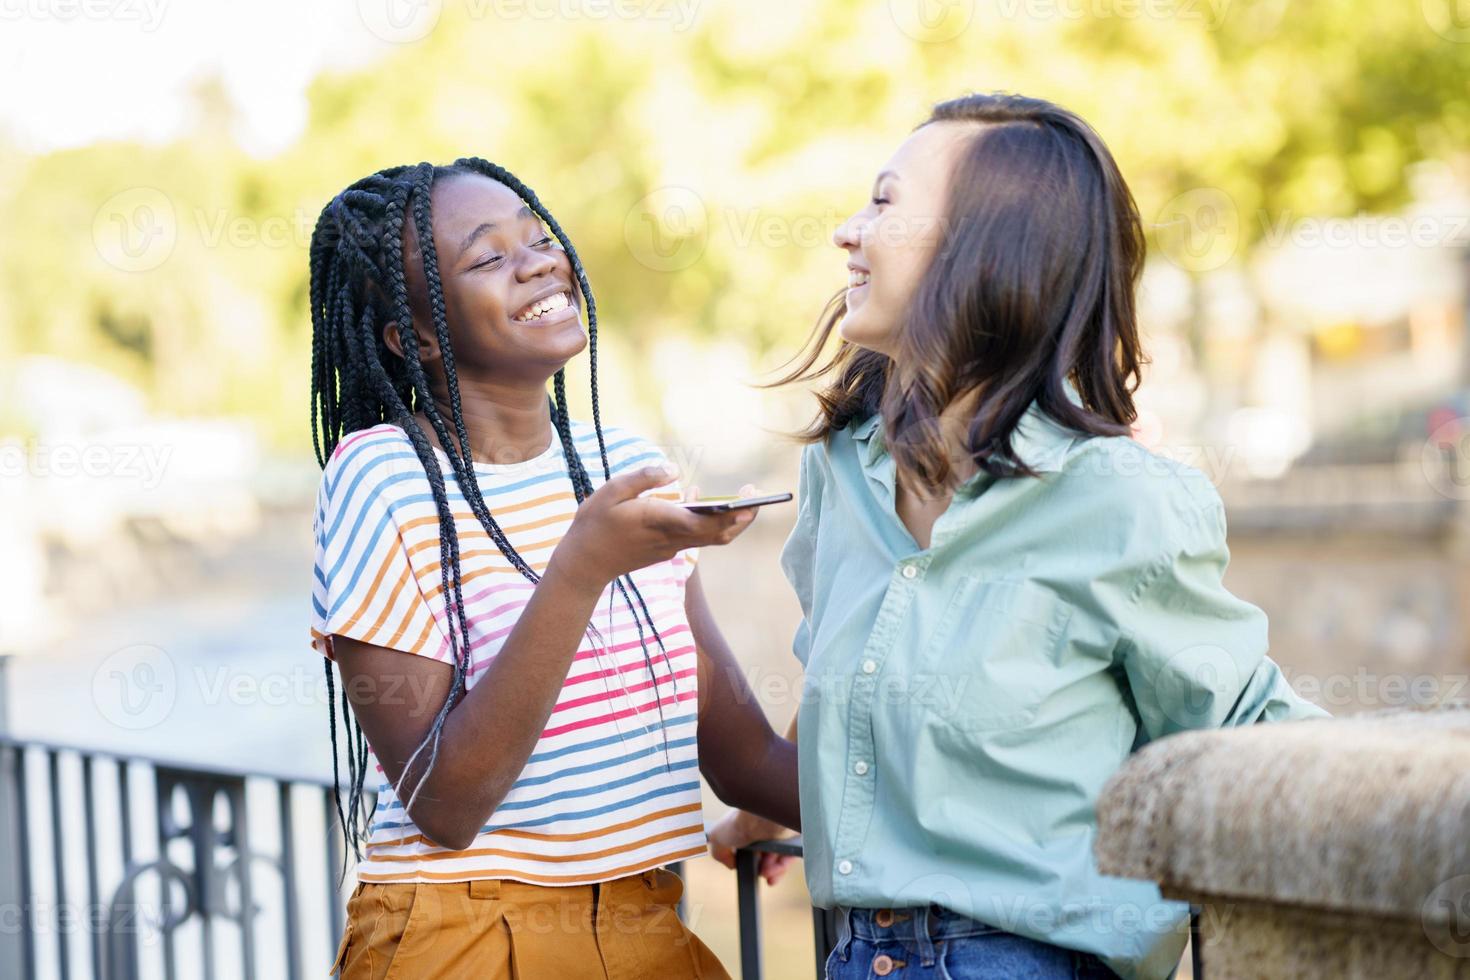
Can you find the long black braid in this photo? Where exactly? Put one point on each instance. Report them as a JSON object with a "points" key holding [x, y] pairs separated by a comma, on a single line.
{"points": [[358, 282]]}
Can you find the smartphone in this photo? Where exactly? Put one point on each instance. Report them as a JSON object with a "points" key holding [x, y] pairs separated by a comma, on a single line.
{"points": [[721, 505]]}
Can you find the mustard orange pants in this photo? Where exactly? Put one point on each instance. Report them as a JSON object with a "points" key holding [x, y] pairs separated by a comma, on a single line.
{"points": [[626, 929]]}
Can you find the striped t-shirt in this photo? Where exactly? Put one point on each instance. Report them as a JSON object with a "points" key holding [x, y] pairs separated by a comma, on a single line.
{"points": [[612, 786]]}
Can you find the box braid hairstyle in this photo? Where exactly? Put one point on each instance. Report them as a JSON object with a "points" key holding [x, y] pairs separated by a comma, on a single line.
{"points": [[358, 283]]}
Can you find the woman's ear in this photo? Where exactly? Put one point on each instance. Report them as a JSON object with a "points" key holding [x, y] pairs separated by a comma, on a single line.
{"points": [[428, 344]]}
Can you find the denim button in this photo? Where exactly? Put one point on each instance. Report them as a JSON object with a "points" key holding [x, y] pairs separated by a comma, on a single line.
{"points": [[883, 964], [884, 918]]}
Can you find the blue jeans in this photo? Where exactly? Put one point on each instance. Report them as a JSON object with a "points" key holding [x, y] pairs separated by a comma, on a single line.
{"points": [[936, 944]]}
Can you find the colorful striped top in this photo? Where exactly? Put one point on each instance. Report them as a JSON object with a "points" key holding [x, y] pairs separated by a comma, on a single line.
{"points": [[612, 786]]}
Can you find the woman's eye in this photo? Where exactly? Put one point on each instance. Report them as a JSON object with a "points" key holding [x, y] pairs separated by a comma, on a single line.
{"points": [[544, 241], [487, 262], [880, 201]]}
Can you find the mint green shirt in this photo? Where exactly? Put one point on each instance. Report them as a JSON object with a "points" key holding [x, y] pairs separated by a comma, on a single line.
{"points": [[964, 704]]}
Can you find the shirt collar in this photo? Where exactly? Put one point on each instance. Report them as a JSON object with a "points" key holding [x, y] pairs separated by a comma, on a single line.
{"points": [[1038, 439]]}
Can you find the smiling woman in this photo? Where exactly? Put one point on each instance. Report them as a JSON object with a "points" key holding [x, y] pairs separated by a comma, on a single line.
{"points": [[522, 578], [973, 514]]}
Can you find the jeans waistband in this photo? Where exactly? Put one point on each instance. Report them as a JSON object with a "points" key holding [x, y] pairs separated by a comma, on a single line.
{"points": [[915, 923], [918, 927]]}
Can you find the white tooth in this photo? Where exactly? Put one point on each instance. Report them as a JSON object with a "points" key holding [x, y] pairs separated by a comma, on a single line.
{"points": [[542, 307]]}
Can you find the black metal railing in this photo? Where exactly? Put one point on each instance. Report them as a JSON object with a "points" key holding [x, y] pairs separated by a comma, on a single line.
{"points": [[202, 866], [747, 878]]}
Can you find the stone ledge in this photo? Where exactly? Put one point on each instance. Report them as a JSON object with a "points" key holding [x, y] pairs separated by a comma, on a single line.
{"points": [[1367, 815]]}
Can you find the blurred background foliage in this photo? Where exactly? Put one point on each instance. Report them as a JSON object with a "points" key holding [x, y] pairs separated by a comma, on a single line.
{"points": [[765, 120]]}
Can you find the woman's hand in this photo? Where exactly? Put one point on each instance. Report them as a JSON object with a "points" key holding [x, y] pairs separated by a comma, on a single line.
{"points": [[737, 829], [616, 530]]}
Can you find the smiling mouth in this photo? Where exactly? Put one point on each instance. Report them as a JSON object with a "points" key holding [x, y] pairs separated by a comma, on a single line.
{"points": [[856, 279], [543, 308]]}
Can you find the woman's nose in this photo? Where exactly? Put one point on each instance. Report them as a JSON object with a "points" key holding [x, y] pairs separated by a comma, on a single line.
{"points": [[536, 263], [849, 234]]}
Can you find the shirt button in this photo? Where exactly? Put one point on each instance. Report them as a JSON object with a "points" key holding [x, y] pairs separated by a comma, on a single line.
{"points": [[861, 768], [869, 666], [909, 571], [844, 867]]}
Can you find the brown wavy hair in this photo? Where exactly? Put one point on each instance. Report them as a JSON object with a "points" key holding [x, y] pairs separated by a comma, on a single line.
{"points": [[1032, 285]]}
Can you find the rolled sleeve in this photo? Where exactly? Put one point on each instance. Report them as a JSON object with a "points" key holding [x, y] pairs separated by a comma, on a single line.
{"points": [[1195, 655]]}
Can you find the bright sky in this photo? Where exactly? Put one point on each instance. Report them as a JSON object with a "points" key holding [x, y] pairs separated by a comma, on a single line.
{"points": [[75, 71]]}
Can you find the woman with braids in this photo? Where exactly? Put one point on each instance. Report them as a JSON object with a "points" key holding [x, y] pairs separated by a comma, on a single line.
{"points": [[512, 603], [1003, 594]]}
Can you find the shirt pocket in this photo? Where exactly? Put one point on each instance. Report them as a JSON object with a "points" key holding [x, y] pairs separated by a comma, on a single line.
{"points": [[994, 651]]}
